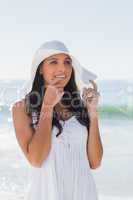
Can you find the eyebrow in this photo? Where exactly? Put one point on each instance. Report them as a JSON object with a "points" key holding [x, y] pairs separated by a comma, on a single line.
{"points": [[57, 58]]}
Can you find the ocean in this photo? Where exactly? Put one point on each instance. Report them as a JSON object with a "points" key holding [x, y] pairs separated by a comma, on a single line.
{"points": [[114, 178]]}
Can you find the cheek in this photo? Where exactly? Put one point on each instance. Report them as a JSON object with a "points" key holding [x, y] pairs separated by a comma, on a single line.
{"points": [[47, 73]]}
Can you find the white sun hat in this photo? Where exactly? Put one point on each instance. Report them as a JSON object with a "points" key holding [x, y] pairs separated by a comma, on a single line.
{"points": [[50, 48]]}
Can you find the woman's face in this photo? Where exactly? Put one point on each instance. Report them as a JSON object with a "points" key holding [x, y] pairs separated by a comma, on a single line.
{"points": [[57, 65]]}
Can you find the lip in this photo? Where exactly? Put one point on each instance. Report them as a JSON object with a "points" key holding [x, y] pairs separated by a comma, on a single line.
{"points": [[62, 76]]}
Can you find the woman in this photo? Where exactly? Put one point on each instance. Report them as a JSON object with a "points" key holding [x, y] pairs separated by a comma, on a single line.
{"points": [[57, 130]]}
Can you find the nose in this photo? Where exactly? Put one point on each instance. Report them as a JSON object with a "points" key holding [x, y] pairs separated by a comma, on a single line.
{"points": [[61, 68]]}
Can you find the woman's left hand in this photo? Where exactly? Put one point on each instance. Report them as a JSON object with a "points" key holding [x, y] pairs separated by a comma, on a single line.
{"points": [[90, 98]]}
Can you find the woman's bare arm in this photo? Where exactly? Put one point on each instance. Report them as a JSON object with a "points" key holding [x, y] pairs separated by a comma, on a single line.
{"points": [[94, 144], [35, 144]]}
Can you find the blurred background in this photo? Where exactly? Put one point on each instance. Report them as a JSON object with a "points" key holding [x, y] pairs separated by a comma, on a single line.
{"points": [[100, 34]]}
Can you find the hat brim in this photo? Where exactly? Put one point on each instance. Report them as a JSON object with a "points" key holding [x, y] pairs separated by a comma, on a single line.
{"points": [[82, 74]]}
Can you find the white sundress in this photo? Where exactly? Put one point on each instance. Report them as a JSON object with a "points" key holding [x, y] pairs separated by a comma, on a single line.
{"points": [[66, 173]]}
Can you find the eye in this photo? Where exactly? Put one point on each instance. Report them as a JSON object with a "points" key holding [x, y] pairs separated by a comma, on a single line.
{"points": [[68, 62], [53, 62]]}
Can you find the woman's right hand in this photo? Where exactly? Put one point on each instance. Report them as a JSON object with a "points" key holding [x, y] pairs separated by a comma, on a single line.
{"points": [[53, 93]]}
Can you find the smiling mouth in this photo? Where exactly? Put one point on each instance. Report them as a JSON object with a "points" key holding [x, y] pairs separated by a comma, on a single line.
{"points": [[60, 76]]}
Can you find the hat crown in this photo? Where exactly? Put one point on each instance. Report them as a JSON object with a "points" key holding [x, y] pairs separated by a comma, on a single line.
{"points": [[54, 44]]}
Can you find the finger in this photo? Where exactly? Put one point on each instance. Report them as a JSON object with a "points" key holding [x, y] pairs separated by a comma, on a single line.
{"points": [[91, 96], [84, 91], [60, 90], [89, 89], [55, 80], [58, 85], [52, 82], [94, 85], [90, 92]]}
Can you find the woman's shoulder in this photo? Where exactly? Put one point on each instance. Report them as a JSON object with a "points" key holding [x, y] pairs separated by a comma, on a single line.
{"points": [[19, 113], [19, 107]]}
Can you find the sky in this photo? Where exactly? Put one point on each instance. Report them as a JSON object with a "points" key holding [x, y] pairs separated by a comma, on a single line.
{"points": [[99, 33]]}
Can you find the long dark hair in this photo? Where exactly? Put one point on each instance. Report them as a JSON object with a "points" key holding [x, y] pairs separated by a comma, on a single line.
{"points": [[74, 103]]}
